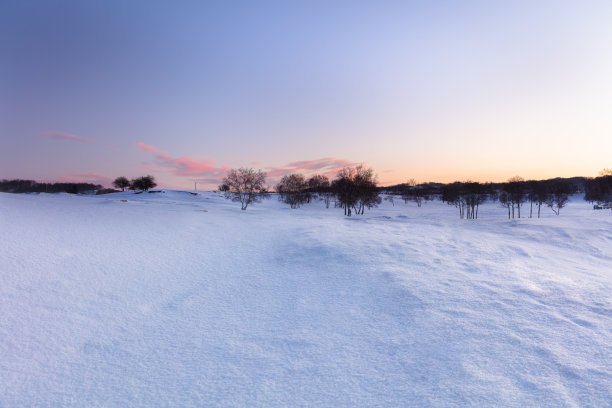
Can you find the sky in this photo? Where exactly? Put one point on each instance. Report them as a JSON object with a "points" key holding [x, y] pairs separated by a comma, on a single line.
{"points": [[184, 90]]}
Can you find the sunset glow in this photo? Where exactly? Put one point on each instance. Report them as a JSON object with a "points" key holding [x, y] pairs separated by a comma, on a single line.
{"points": [[435, 91]]}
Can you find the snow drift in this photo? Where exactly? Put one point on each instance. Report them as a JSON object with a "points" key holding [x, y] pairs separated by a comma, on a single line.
{"points": [[172, 299]]}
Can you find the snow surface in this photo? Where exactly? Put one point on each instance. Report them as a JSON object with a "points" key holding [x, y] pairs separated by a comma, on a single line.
{"points": [[171, 299]]}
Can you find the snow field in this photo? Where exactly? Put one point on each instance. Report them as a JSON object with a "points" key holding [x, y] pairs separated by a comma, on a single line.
{"points": [[154, 302]]}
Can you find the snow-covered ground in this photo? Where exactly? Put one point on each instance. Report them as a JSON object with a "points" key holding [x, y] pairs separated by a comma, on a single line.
{"points": [[171, 299]]}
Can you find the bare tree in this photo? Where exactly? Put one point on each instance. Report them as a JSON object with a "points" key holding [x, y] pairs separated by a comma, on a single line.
{"points": [[122, 183], [557, 197], [599, 189], [319, 185], [293, 190], [556, 201], [473, 195], [515, 188], [538, 194], [466, 196], [318, 182], [355, 189], [143, 183], [411, 191], [451, 196], [244, 185], [505, 201]]}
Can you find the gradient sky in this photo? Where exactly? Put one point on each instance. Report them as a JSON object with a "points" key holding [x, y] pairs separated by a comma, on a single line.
{"points": [[184, 90]]}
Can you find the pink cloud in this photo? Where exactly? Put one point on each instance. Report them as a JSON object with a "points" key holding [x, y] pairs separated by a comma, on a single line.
{"points": [[146, 147], [328, 166], [63, 136], [207, 172], [204, 171], [88, 178]]}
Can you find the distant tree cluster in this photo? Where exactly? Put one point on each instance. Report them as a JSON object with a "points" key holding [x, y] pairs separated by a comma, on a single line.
{"points": [[143, 183], [354, 188], [293, 190], [466, 196], [599, 190], [320, 187], [411, 191], [513, 194], [31, 186]]}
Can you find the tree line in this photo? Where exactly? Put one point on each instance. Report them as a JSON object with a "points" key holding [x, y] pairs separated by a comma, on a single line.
{"points": [[512, 195], [31, 186], [143, 183], [598, 190], [354, 189]]}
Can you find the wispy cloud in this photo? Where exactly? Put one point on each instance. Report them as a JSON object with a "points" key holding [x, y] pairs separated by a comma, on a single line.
{"points": [[146, 147], [204, 171], [63, 136], [208, 172], [328, 166]]}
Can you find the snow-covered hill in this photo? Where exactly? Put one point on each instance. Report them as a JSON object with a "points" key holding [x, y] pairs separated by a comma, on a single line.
{"points": [[171, 299]]}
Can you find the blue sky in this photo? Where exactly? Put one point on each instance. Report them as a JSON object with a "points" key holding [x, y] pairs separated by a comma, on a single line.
{"points": [[436, 91]]}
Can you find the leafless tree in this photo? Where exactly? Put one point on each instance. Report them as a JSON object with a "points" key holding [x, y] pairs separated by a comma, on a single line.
{"points": [[390, 198], [557, 197], [293, 190], [538, 194], [473, 195], [505, 201], [599, 189], [122, 183], [143, 183], [355, 189], [412, 191], [244, 185], [515, 188], [319, 185], [466, 196]]}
